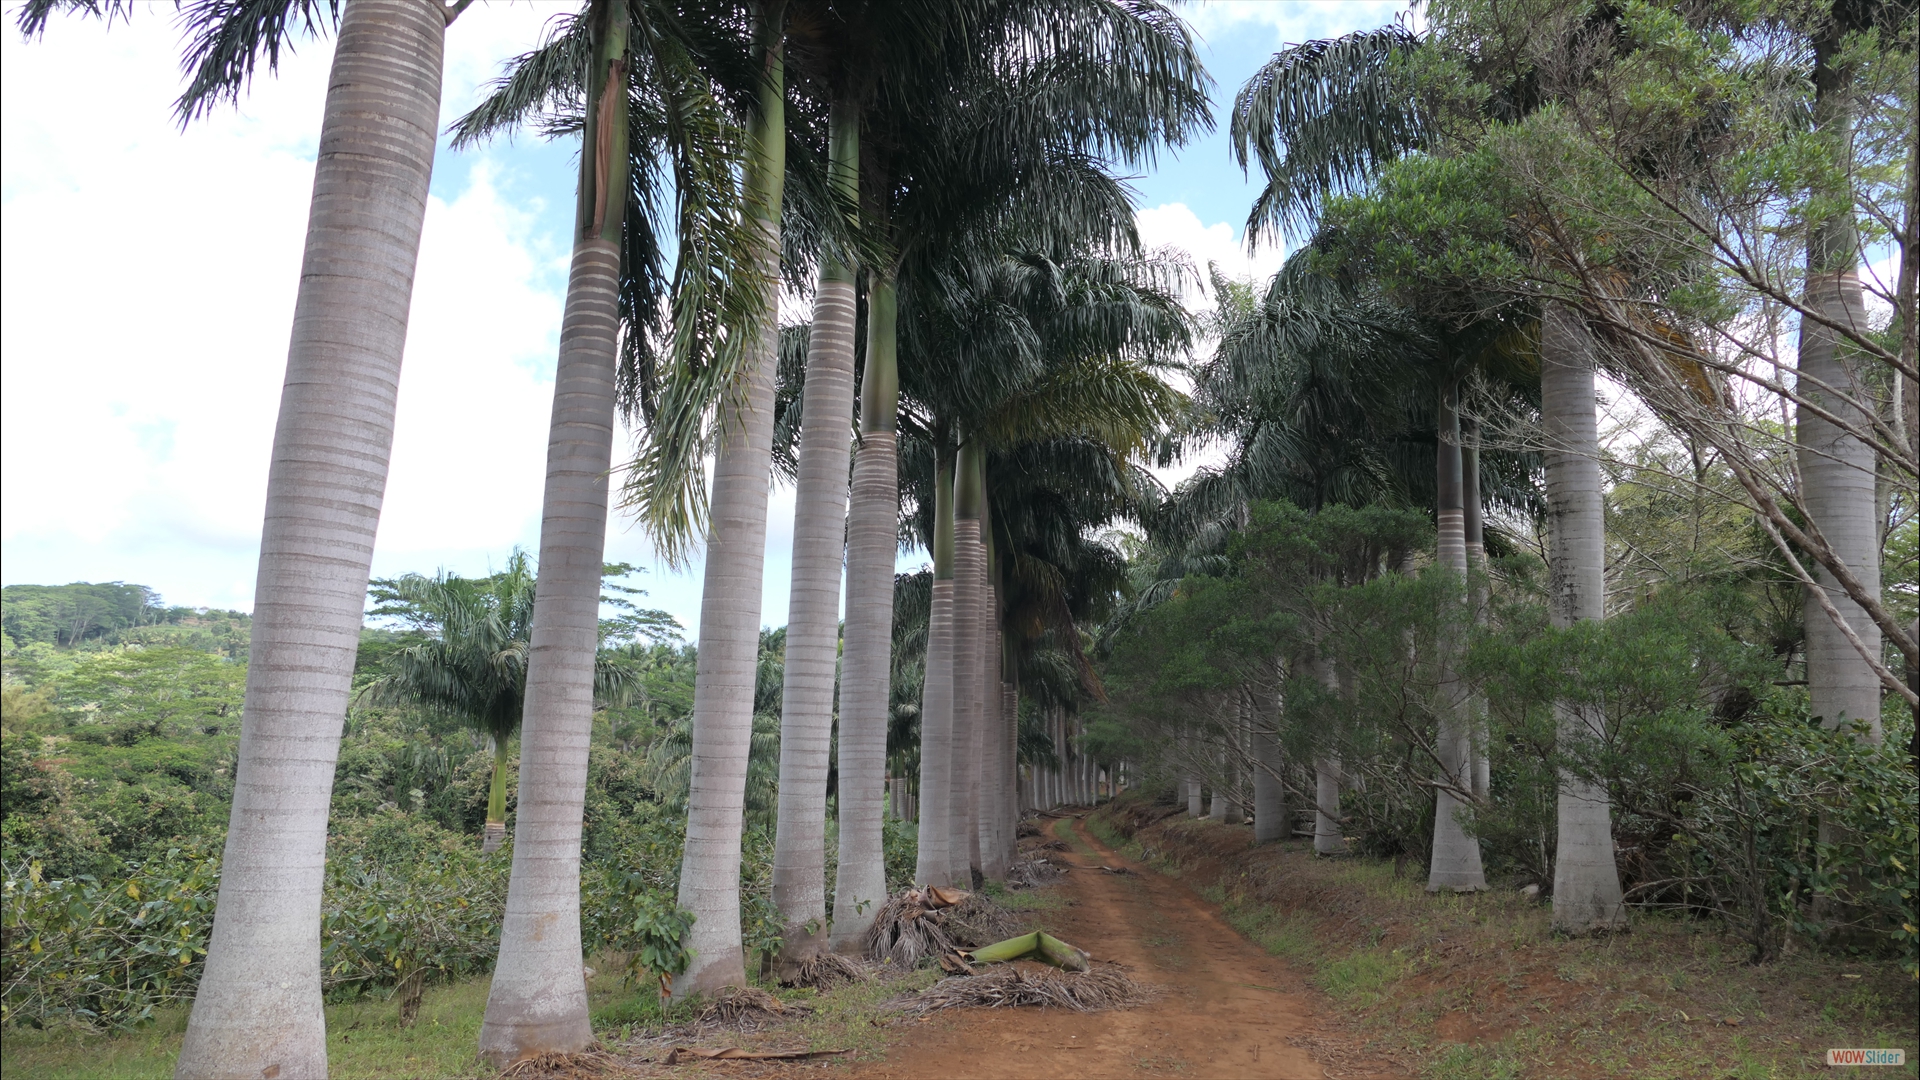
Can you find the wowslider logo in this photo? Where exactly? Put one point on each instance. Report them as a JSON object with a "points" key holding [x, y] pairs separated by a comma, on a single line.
{"points": [[1866, 1057]]}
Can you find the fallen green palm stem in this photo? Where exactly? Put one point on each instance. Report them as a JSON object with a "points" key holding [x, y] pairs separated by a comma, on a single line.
{"points": [[1046, 946]]}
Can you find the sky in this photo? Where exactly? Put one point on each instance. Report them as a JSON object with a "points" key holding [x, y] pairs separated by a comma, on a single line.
{"points": [[147, 280]]}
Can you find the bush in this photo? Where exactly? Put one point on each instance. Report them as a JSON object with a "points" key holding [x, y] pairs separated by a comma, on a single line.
{"points": [[92, 950]]}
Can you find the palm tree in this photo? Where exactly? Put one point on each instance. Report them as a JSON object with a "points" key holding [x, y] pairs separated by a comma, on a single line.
{"points": [[259, 1007], [736, 553], [592, 71], [933, 862], [988, 158], [1586, 879], [1838, 469], [813, 607], [860, 881], [473, 667]]}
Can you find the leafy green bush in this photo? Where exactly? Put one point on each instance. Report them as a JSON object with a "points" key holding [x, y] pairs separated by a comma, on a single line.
{"points": [[92, 950]]}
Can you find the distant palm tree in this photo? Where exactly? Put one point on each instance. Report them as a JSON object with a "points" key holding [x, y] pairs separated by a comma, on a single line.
{"points": [[472, 667]]}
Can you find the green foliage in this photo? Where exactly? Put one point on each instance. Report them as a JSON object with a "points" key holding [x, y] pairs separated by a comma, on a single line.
{"points": [[93, 950]]}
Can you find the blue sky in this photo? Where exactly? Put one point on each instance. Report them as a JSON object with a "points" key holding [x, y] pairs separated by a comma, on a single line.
{"points": [[146, 284]]}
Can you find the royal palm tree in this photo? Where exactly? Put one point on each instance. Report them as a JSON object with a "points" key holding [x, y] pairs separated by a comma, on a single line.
{"points": [[735, 557], [984, 158], [1838, 469], [625, 75], [258, 1007], [473, 665]]}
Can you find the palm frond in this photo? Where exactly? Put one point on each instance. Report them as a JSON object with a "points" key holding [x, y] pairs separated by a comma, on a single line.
{"points": [[1321, 118]]}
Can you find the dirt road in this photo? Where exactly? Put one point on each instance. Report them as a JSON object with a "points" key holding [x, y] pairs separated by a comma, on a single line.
{"points": [[1225, 1009]]}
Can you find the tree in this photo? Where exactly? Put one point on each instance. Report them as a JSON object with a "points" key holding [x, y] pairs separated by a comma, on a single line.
{"points": [[626, 77], [259, 1006], [473, 667], [736, 551]]}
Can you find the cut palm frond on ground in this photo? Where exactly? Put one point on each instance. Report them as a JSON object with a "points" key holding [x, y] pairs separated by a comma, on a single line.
{"points": [[1105, 987], [734, 1053], [978, 921], [828, 970], [907, 931], [746, 1008], [1033, 873], [922, 924]]}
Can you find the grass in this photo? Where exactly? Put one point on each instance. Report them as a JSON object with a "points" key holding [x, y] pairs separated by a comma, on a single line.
{"points": [[1472, 986], [364, 1039]]}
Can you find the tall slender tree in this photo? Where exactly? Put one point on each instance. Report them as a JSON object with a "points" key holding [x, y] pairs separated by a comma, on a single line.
{"points": [[1586, 879], [625, 76], [736, 553], [258, 1007], [813, 608], [860, 881]]}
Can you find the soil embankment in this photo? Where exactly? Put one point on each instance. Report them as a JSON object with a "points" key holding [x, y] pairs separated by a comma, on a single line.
{"points": [[1225, 1008]]}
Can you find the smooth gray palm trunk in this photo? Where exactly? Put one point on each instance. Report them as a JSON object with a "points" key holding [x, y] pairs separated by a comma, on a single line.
{"points": [[538, 1001], [1010, 764], [1837, 473], [963, 836], [1455, 864], [860, 881], [1586, 881], [258, 1009], [933, 865], [729, 646], [813, 605]]}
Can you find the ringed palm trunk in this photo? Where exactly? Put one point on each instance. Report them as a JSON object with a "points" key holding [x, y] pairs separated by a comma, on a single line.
{"points": [[860, 882], [969, 575], [1473, 525], [1010, 751], [1456, 854], [933, 866], [729, 646], [813, 620], [1586, 881], [537, 1003], [1270, 821], [1837, 469], [992, 724], [258, 1009], [1327, 839]]}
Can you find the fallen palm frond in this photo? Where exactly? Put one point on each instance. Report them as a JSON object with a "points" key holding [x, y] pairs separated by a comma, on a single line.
{"points": [[1105, 987], [828, 970], [1025, 829], [746, 1008], [587, 1063], [1053, 845], [734, 1053], [906, 931], [978, 921], [1033, 873]]}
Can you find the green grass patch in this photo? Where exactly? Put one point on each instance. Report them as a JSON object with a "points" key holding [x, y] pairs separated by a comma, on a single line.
{"points": [[1362, 978], [364, 1039]]}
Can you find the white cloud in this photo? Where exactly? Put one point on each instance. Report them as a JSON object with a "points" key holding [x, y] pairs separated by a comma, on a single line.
{"points": [[148, 279], [1173, 225], [1300, 20]]}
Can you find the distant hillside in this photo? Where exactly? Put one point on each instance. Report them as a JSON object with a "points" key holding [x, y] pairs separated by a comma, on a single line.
{"points": [[115, 613]]}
